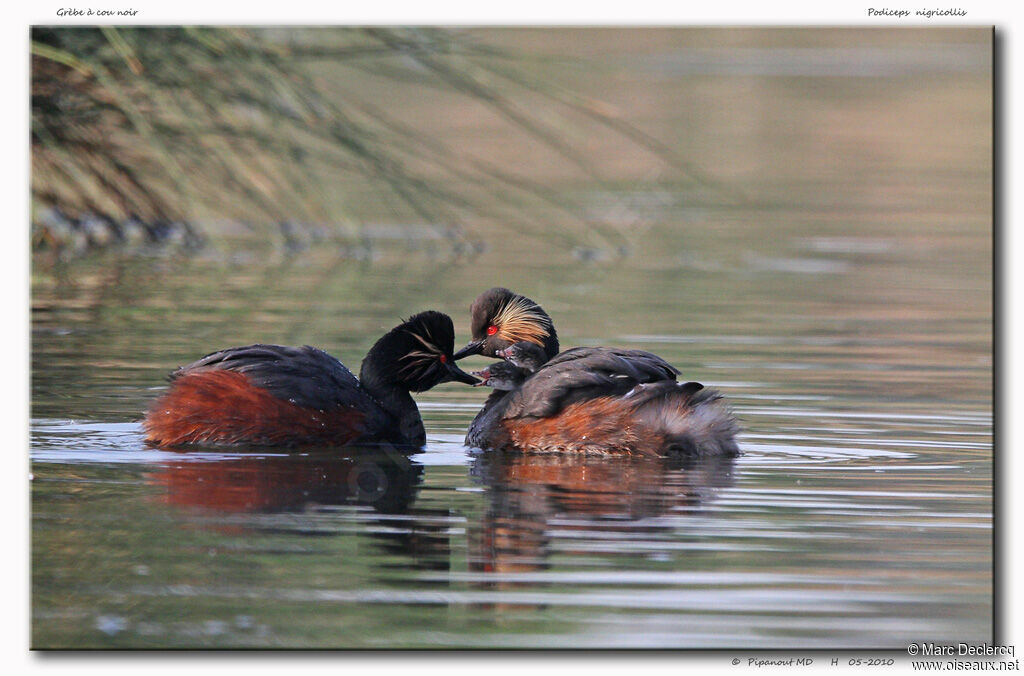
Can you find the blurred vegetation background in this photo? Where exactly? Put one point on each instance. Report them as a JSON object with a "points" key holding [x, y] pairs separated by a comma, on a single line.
{"points": [[190, 134]]}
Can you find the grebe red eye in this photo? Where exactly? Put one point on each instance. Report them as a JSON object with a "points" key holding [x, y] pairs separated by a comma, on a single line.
{"points": [[444, 359], [491, 330]]}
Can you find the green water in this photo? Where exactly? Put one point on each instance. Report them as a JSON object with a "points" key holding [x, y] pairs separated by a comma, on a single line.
{"points": [[844, 308]]}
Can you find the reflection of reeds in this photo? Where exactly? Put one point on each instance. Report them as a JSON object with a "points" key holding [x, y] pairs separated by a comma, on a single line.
{"points": [[164, 128]]}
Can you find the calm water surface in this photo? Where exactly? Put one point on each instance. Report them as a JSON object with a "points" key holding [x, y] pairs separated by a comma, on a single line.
{"points": [[846, 316]]}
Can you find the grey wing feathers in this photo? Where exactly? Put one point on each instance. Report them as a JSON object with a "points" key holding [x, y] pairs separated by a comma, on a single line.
{"points": [[583, 373], [635, 363], [303, 375]]}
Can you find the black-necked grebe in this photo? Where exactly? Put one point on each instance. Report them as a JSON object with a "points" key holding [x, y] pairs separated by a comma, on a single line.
{"points": [[500, 318], [270, 395], [587, 399]]}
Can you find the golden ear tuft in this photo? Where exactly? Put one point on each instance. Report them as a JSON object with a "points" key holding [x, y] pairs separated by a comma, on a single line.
{"points": [[520, 319]]}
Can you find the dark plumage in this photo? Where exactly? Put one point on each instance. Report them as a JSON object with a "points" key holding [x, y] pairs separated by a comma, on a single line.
{"points": [[271, 395], [305, 376], [420, 354], [584, 373]]}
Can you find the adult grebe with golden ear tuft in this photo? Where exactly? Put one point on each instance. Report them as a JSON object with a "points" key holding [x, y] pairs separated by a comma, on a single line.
{"points": [[587, 399]]}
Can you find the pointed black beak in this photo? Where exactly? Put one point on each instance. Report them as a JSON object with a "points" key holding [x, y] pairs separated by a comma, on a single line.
{"points": [[457, 374], [475, 347]]}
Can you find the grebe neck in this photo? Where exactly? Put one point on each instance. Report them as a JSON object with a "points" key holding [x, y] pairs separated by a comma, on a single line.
{"points": [[395, 399], [400, 404]]}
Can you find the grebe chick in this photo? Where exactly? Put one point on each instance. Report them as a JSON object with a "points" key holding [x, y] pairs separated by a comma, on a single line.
{"points": [[525, 355], [503, 375], [271, 395]]}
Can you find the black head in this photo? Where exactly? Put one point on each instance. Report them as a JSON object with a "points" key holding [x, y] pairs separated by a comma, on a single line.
{"points": [[527, 356], [415, 355], [499, 318], [501, 375]]}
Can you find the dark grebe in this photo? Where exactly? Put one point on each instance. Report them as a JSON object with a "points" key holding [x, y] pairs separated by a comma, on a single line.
{"points": [[587, 399], [269, 395]]}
